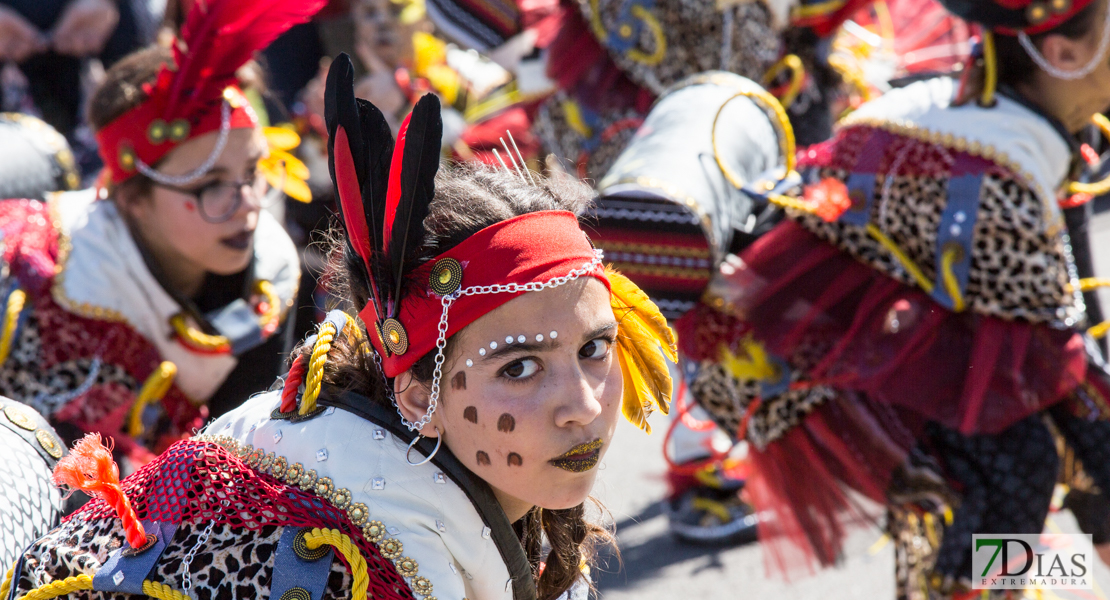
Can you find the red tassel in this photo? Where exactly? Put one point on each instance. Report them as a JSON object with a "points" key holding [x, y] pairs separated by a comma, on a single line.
{"points": [[292, 382], [89, 467]]}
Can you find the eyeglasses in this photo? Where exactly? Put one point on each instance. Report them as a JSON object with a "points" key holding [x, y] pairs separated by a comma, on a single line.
{"points": [[219, 200]]}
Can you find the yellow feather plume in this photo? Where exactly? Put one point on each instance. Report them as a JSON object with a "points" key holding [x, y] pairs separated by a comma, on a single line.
{"points": [[644, 339]]}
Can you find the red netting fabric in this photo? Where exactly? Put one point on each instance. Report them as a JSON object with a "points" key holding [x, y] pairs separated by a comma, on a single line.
{"points": [[199, 481], [967, 371]]}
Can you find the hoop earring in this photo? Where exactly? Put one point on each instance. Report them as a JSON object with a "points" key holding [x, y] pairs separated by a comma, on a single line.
{"points": [[439, 441]]}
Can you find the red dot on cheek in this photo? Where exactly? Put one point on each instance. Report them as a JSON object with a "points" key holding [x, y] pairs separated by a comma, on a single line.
{"points": [[191, 206]]}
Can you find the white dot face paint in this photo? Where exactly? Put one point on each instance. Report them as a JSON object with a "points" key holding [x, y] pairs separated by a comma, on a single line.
{"points": [[469, 363], [539, 337], [554, 334], [481, 352], [520, 339], [493, 345], [508, 339]]}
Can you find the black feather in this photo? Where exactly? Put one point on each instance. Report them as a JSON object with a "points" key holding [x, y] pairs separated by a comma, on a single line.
{"points": [[418, 171], [379, 153]]}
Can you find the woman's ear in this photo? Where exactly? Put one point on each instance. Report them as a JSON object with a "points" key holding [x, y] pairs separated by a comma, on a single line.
{"points": [[412, 399], [1066, 54]]}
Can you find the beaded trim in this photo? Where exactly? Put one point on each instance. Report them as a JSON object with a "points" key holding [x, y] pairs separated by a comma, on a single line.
{"points": [[295, 474]]}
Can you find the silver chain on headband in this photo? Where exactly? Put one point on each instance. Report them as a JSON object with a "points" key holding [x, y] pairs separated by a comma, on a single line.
{"points": [[447, 301], [1038, 58], [197, 173]]}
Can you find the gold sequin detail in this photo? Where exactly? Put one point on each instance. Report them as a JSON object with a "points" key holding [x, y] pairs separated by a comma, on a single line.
{"points": [[406, 566], [294, 473], [255, 457], [358, 513], [307, 482], [49, 443], [341, 498], [421, 585], [374, 531], [266, 462], [324, 487], [391, 548], [279, 467]]}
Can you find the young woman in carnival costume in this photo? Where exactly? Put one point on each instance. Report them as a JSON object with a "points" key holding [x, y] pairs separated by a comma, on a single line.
{"points": [[129, 309], [432, 454], [918, 312]]}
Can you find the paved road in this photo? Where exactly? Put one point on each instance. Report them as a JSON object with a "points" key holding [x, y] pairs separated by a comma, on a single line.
{"points": [[657, 567]]}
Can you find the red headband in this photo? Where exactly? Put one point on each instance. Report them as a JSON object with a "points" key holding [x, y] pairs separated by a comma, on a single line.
{"points": [[148, 133], [532, 248]]}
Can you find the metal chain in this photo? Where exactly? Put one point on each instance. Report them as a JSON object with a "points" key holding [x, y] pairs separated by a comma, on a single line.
{"points": [[187, 585], [500, 288], [1079, 73], [197, 173]]}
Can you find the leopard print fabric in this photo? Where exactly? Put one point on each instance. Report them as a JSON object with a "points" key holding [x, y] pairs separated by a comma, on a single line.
{"points": [[587, 157], [230, 563], [1018, 270], [727, 399], [699, 37]]}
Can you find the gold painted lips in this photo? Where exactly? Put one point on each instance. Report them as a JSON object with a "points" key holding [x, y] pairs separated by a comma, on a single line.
{"points": [[580, 458]]}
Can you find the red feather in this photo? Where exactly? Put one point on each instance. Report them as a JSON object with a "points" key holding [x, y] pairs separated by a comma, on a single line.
{"points": [[220, 36], [350, 196], [393, 196]]}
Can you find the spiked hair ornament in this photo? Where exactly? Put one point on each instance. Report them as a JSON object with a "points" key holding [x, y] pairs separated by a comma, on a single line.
{"points": [[385, 189], [197, 93]]}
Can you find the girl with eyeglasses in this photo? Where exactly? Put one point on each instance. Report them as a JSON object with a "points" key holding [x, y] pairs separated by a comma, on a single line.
{"points": [[160, 299]]}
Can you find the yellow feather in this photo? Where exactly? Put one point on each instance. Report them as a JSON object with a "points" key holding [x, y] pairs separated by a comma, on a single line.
{"points": [[630, 399], [644, 343], [627, 294], [649, 365]]}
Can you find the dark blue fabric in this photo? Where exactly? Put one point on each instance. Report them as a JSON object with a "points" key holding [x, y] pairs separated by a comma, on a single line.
{"points": [[290, 571], [963, 202], [135, 568]]}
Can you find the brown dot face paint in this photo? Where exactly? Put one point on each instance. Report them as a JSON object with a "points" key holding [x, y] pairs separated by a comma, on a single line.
{"points": [[506, 423], [483, 458], [471, 414], [458, 382], [515, 460]]}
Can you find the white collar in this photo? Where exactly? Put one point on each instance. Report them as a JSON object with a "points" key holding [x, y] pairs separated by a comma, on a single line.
{"points": [[421, 507], [101, 275], [1008, 133]]}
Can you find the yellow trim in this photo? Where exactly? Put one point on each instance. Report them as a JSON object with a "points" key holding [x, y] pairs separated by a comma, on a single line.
{"points": [[60, 587], [797, 77], [1097, 188], [219, 343], [16, 300], [715, 508], [911, 267], [360, 581], [1090, 283], [315, 379], [154, 389], [653, 249], [162, 591], [789, 202], [661, 271], [652, 23], [7, 585], [990, 69], [817, 10], [1099, 331], [951, 285], [785, 131]]}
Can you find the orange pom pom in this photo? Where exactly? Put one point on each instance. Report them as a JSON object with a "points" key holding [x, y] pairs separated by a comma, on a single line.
{"points": [[829, 198], [89, 467]]}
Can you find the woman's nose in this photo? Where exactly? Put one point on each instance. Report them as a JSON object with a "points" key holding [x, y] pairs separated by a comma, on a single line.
{"points": [[579, 401]]}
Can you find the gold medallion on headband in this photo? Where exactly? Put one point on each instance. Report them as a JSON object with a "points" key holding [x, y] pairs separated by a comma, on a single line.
{"points": [[394, 337]]}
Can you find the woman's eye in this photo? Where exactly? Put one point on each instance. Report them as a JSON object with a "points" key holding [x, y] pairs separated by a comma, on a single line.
{"points": [[595, 348], [521, 369]]}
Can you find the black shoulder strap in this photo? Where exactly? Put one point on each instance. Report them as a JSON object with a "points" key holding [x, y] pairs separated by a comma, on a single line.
{"points": [[479, 492]]}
